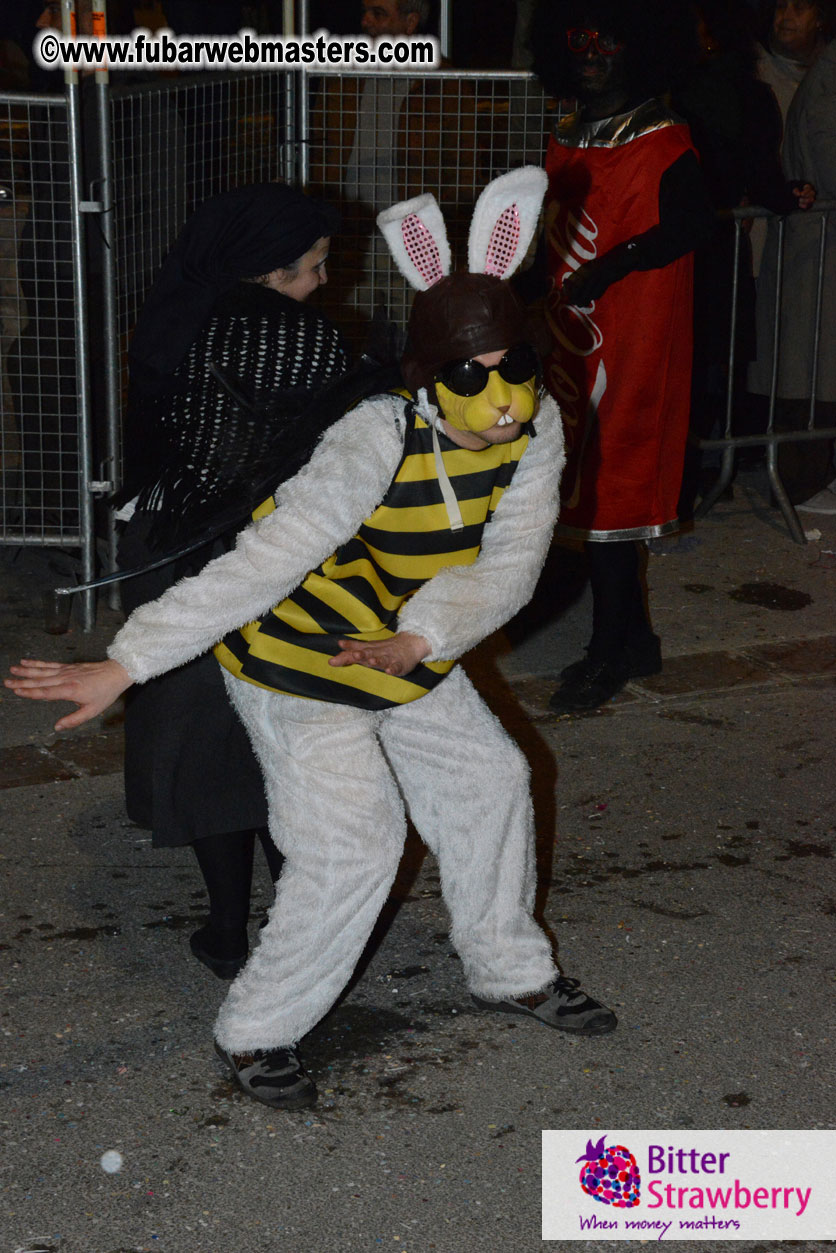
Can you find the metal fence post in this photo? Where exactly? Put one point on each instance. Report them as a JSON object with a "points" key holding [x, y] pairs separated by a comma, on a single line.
{"points": [[85, 500], [110, 346]]}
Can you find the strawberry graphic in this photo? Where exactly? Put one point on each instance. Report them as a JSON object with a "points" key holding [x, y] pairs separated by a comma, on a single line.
{"points": [[610, 1175]]}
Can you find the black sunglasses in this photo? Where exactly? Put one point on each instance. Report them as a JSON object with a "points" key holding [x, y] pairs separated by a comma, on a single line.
{"points": [[469, 378]]}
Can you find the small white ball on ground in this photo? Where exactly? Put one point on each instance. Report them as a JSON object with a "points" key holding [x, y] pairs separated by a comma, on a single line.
{"points": [[111, 1161]]}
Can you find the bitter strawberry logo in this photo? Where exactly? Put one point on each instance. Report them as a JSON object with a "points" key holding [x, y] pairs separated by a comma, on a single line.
{"points": [[610, 1174]]}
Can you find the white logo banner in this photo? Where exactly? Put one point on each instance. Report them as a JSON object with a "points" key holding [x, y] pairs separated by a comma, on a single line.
{"points": [[689, 1185]]}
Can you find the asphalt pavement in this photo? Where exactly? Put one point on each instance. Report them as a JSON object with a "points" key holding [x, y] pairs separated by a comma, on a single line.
{"points": [[686, 845]]}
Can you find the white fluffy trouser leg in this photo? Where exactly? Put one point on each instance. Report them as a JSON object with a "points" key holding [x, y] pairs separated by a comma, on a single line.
{"points": [[466, 786], [337, 815]]}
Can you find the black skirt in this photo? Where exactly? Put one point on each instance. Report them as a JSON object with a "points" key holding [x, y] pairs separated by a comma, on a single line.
{"points": [[190, 770]]}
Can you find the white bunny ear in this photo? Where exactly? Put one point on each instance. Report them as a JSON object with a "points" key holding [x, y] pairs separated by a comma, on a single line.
{"points": [[504, 221], [417, 238]]}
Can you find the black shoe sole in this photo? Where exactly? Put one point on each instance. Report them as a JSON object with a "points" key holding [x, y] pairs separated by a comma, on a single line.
{"points": [[224, 968]]}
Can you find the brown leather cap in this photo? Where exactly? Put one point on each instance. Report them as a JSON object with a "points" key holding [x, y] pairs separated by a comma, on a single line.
{"points": [[461, 316]]}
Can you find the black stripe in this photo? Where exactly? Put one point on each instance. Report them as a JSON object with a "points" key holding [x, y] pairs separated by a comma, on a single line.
{"points": [[423, 543], [474, 486], [237, 645], [332, 622], [326, 645], [301, 683], [355, 550], [396, 585]]}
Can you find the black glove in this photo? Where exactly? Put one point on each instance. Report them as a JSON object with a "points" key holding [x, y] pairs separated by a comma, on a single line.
{"points": [[592, 279]]}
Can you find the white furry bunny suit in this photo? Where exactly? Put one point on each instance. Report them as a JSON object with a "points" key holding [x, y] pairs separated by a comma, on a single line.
{"points": [[338, 778]]}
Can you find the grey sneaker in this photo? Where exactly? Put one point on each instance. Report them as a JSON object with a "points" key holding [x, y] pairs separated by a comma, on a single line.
{"points": [[563, 1005], [276, 1077]]}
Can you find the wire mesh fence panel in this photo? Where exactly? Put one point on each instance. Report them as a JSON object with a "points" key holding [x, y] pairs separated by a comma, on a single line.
{"points": [[39, 408], [175, 144], [373, 140]]}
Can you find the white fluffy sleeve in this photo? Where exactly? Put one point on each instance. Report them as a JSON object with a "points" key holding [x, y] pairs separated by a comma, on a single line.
{"points": [[464, 604], [316, 511]]}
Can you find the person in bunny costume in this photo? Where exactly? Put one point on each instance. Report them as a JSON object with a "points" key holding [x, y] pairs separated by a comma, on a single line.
{"points": [[418, 527]]}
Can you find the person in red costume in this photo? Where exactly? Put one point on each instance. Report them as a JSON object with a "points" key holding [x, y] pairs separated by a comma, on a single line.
{"points": [[624, 210]]}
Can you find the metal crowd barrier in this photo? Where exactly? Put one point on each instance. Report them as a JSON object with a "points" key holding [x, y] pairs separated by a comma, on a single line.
{"points": [[370, 140], [95, 183], [771, 438], [173, 143], [45, 417], [39, 419]]}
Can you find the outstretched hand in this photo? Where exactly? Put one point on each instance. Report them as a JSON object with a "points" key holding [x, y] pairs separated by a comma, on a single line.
{"points": [[92, 685], [398, 655]]}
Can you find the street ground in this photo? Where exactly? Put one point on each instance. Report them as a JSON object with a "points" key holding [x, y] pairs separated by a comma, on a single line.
{"points": [[686, 841]]}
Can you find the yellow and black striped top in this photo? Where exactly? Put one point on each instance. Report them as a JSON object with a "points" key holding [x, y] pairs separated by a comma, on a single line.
{"points": [[358, 592]]}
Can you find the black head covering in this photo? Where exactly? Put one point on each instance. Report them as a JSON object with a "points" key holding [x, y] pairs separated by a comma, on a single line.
{"points": [[240, 234]]}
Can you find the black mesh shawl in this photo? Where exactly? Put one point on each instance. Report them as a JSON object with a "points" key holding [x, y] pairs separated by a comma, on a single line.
{"points": [[192, 452]]}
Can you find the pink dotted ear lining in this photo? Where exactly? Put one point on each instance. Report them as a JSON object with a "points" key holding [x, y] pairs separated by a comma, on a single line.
{"points": [[504, 241], [421, 249]]}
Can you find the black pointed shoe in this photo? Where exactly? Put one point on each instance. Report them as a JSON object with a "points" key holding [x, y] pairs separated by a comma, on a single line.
{"points": [[590, 687], [641, 660]]}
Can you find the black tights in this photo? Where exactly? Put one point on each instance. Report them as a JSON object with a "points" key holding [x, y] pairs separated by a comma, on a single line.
{"points": [[619, 616], [226, 863]]}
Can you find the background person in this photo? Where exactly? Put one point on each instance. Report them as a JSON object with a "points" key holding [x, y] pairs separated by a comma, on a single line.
{"points": [[736, 127], [793, 34], [799, 32], [806, 469], [625, 207], [229, 294]]}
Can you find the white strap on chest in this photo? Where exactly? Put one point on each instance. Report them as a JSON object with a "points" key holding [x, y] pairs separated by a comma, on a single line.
{"points": [[430, 415]]}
